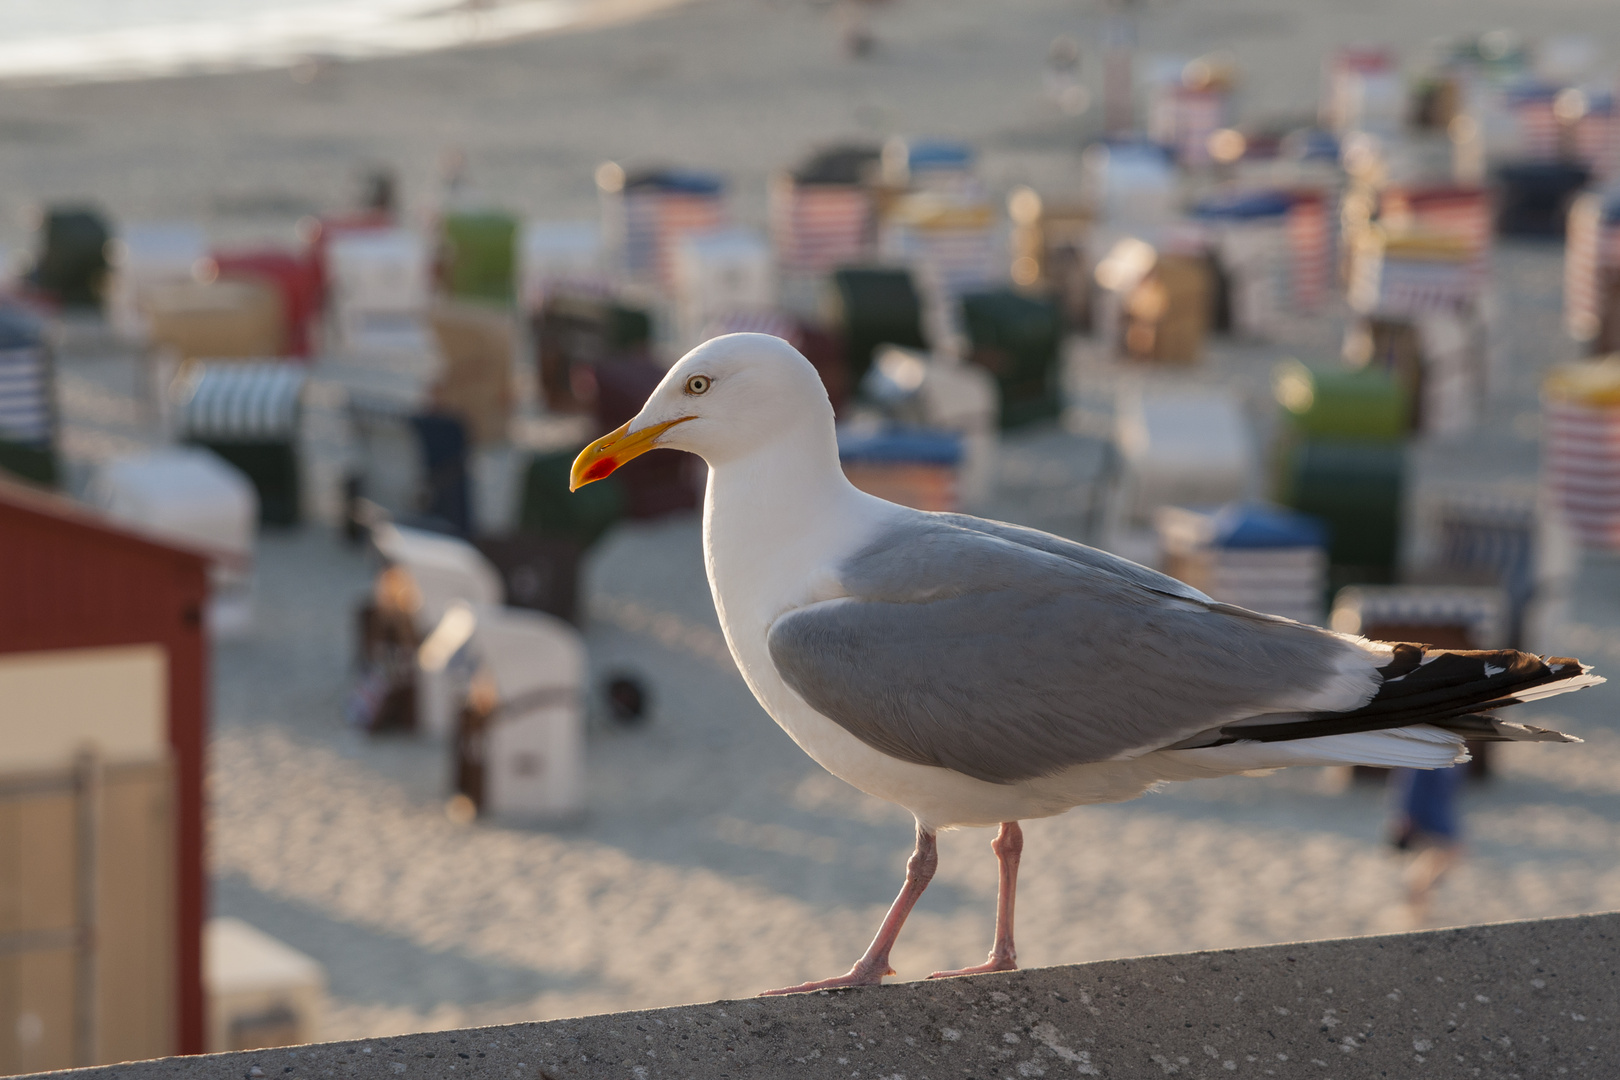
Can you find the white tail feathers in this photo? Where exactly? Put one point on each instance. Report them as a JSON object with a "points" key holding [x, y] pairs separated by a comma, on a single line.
{"points": [[1417, 747]]}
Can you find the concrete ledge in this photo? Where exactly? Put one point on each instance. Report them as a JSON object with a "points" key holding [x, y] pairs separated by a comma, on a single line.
{"points": [[1510, 1000]]}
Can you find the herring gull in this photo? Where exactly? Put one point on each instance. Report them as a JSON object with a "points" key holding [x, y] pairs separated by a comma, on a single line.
{"points": [[978, 673]]}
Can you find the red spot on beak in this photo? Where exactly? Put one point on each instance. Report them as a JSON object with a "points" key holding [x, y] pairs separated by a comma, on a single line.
{"points": [[600, 469]]}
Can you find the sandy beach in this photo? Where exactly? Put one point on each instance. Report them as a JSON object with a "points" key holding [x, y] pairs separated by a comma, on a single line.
{"points": [[742, 87], [716, 859]]}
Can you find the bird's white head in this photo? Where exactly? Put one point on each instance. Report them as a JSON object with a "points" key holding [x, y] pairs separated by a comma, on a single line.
{"points": [[725, 399]]}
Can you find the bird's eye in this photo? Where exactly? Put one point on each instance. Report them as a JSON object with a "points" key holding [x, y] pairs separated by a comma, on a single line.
{"points": [[698, 384]]}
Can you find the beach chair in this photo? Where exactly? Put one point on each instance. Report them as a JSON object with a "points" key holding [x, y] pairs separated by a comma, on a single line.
{"points": [[294, 278], [822, 213], [559, 255], [1254, 555], [414, 625], [916, 467], [250, 414], [480, 255], [27, 397], [193, 496], [1249, 234], [261, 992], [1592, 272], [377, 278], [71, 266], [520, 739], [147, 255], [875, 306], [216, 320], [1581, 448], [645, 214], [1017, 339], [1533, 198], [478, 345], [719, 273], [1182, 446]]}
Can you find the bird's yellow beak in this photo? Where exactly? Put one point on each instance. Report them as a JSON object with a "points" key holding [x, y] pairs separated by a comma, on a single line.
{"points": [[614, 449]]}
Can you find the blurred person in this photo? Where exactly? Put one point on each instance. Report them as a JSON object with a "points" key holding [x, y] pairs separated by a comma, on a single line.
{"points": [[1062, 76], [855, 26], [453, 185], [380, 190], [1428, 824]]}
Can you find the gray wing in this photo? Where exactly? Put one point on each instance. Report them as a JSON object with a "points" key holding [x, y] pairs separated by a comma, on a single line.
{"points": [[1080, 554], [1008, 654]]}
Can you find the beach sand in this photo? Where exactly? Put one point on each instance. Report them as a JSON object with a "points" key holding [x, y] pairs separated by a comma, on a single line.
{"points": [[743, 87], [716, 859]]}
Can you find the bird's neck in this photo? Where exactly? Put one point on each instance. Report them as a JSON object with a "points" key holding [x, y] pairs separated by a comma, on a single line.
{"points": [[778, 515]]}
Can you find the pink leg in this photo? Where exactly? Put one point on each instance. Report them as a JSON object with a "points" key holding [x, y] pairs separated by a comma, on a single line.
{"points": [[1008, 846], [870, 969]]}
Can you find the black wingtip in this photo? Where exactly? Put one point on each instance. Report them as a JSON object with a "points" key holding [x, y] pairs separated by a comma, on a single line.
{"points": [[1446, 688]]}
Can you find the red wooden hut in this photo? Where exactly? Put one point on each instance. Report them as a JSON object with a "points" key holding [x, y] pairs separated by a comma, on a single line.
{"points": [[73, 584]]}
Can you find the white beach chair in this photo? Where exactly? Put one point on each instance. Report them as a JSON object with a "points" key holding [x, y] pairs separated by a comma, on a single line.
{"points": [[530, 751], [147, 256], [452, 579], [192, 496], [724, 272], [261, 992], [380, 282], [559, 253], [445, 570], [1183, 446]]}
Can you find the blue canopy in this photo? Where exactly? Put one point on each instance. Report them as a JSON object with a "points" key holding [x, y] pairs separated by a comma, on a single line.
{"points": [[1260, 525], [938, 154], [675, 181], [1243, 206], [915, 446]]}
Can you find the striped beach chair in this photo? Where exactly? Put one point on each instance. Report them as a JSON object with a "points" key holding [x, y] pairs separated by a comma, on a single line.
{"points": [[249, 414]]}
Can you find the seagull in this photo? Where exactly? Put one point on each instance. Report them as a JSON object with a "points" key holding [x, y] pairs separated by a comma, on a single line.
{"points": [[978, 673]]}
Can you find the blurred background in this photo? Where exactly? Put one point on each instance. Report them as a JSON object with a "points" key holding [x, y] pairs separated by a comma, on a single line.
{"points": [[326, 712]]}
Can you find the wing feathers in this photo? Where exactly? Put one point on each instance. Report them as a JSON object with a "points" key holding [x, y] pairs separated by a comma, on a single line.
{"points": [[973, 652]]}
